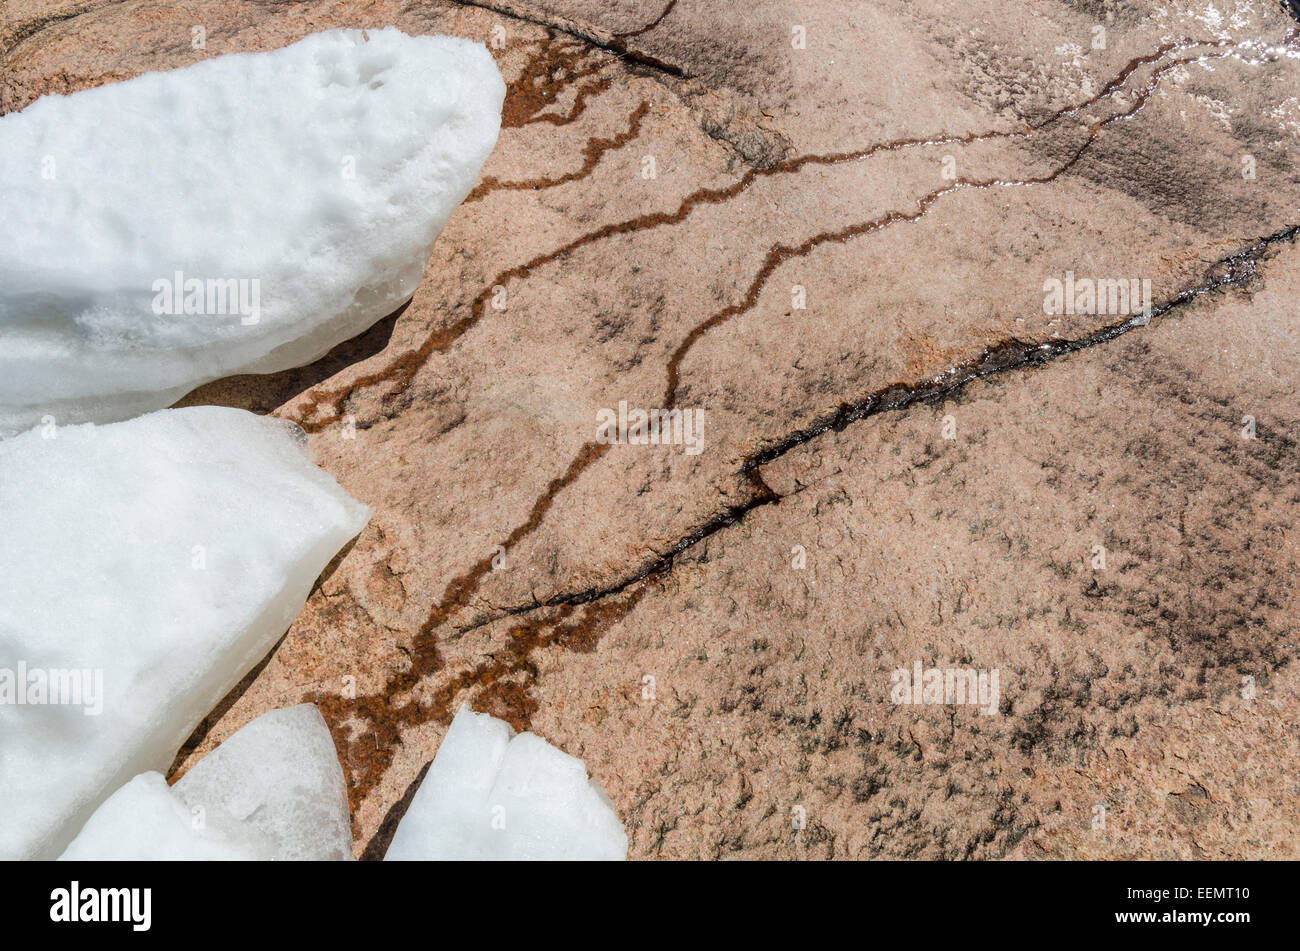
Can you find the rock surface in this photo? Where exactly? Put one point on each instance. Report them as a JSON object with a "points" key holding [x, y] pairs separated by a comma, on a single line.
{"points": [[828, 227]]}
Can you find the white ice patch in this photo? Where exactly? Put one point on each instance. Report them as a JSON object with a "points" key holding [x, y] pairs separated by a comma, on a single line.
{"points": [[273, 791], [490, 796], [269, 204], [148, 566]]}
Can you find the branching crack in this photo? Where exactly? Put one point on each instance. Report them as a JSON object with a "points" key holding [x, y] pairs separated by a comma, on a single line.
{"points": [[1235, 271]]}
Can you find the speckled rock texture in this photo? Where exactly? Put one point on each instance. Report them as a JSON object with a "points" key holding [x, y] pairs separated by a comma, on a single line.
{"points": [[829, 228]]}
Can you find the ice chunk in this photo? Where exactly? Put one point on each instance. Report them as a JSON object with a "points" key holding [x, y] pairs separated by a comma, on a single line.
{"points": [[146, 820], [490, 796], [273, 790], [242, 215], [145, 567]]}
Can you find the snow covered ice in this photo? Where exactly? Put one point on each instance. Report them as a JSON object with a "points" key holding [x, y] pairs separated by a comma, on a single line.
{"points": [[492, 795], [273, 790], [241, 215], [145, 567]]}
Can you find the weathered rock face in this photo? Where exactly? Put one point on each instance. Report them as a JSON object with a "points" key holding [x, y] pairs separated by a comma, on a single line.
{"points": [[817, 224]]}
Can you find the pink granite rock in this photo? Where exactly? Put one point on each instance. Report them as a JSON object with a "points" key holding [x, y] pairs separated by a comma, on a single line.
{"points": [[832, 233]]}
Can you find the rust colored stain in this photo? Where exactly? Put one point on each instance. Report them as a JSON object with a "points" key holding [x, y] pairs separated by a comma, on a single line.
{"points": [[500, 685], [556, 68], [592, 153]]}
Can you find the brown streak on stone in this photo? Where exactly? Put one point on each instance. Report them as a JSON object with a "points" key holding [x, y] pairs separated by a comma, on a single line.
{"points": [[541, 81], [592, 154], [457, 593], [500, 685], [642, 31]]}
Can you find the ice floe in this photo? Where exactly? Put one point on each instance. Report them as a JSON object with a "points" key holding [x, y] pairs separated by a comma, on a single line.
{"points": [[145, 568], [492, 795], [241, 215], [273, 790]]}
